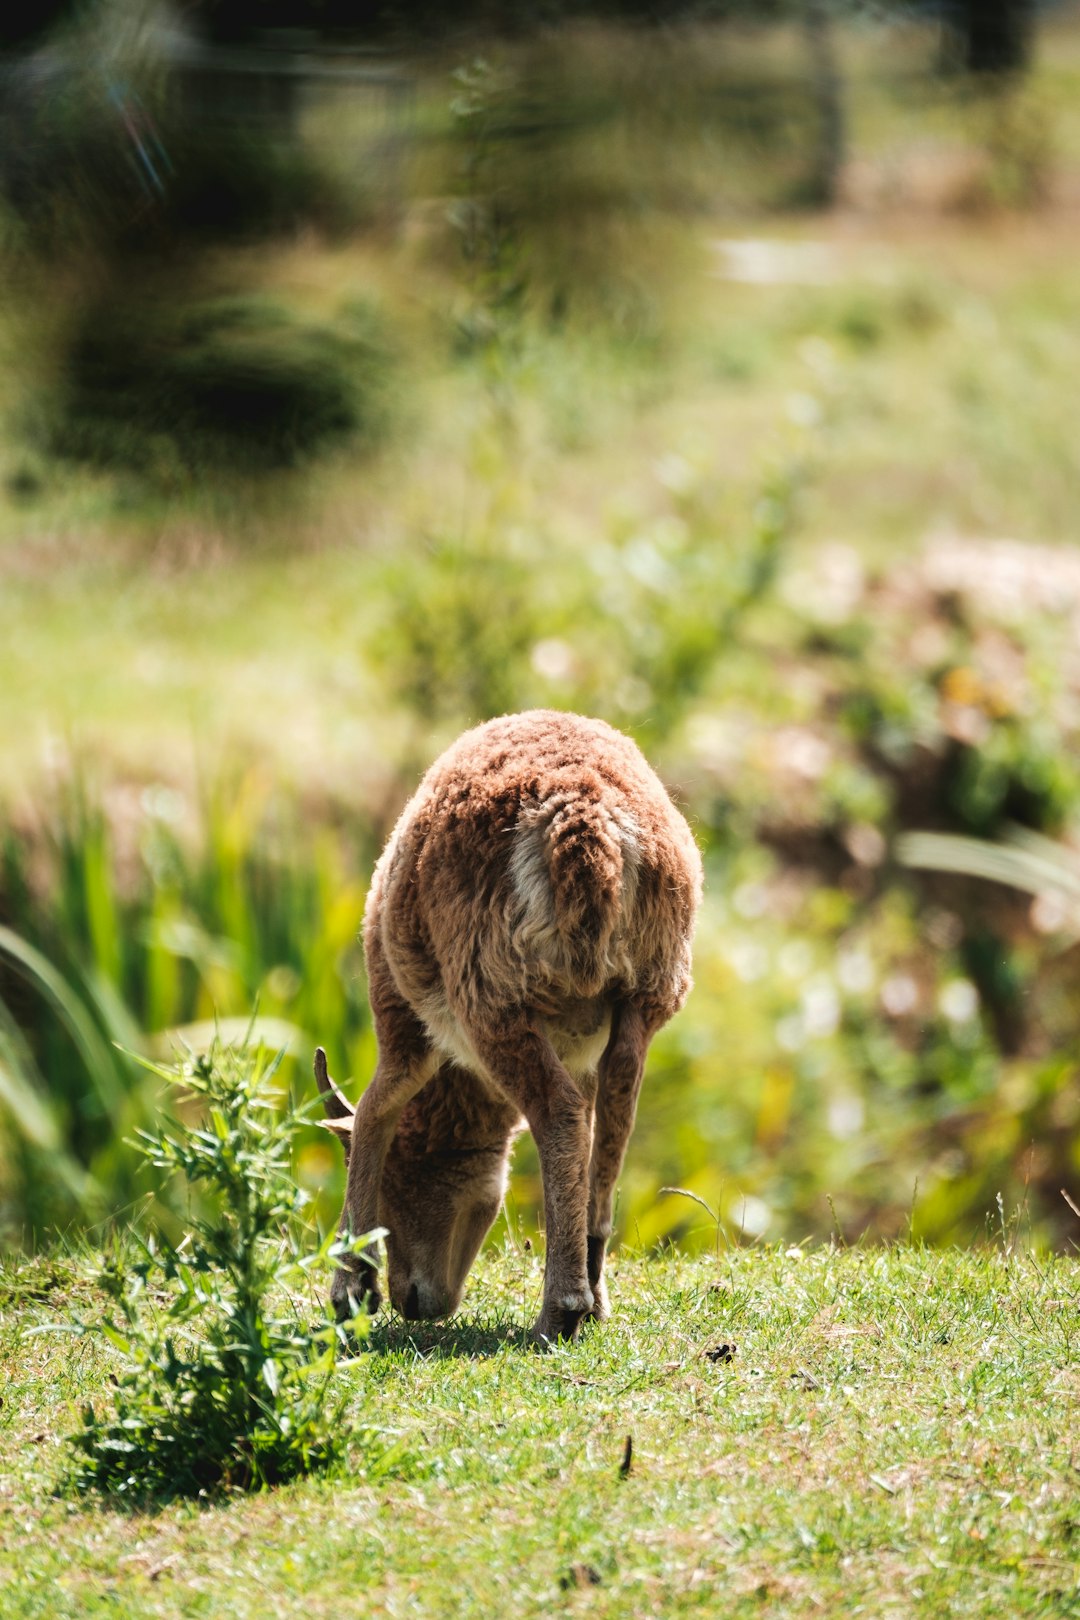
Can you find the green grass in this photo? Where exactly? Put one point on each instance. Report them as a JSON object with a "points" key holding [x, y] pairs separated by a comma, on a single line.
{"points": [[894, 1434]]}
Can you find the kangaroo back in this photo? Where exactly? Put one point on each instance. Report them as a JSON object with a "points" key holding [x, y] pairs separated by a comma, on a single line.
{"points": [[540, 860]]}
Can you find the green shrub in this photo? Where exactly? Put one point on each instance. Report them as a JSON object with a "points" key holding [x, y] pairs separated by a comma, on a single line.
{"points": [[222, 1381], [472, 626], [171, 388], [457, 630]]}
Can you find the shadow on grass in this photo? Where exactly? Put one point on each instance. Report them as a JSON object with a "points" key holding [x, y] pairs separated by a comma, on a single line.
{"points": [[457, 1337]]}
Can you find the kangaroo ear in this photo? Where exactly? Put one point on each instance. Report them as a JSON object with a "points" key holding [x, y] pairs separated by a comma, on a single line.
{"points": [[339, 1118], [337, 1105]]}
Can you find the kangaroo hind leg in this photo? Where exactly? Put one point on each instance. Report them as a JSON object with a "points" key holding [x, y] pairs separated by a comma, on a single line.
{"points": [[618, 1084]]}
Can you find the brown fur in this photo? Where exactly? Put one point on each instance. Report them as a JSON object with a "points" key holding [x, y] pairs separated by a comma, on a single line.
{"points": [[527, 932]]}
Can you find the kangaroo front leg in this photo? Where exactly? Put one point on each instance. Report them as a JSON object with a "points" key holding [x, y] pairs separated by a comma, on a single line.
{"points": [[525, 1066], [394, 1083], [617, 1088]]}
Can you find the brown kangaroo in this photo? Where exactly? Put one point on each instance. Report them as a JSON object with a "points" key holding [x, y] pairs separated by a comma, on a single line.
{"points": [[527, 932]]}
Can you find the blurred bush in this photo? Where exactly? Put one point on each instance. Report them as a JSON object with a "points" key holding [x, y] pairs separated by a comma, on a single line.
{"points": [[132, 149], [129, 130], [493, 621], [178, 387]]}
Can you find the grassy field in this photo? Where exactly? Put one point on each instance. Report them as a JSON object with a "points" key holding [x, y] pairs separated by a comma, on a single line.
{"points": [[886, 1431], [935, 369]]}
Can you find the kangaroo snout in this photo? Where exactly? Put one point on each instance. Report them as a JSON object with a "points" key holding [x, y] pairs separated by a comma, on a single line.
{"points": [[424, 1302]]}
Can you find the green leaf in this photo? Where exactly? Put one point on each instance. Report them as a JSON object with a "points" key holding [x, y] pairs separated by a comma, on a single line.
{"points": [[116, 1339], [40, 974]]}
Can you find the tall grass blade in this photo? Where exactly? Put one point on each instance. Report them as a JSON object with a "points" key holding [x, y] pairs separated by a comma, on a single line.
{"points": [[23, 1094], [40, 974], [1027, 862]]}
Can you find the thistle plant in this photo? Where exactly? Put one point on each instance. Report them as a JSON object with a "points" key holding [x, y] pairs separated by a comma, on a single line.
{"points": [[224, 1381]]}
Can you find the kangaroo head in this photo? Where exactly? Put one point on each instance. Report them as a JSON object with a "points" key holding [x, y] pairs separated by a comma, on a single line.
{"points": [[437, 1201]]}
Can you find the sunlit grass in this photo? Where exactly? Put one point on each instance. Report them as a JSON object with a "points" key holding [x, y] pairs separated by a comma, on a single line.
{"points": [[811, 1431], [227, 672]]}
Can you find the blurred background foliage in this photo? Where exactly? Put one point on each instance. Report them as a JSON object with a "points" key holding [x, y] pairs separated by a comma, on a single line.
{"points": [[711, 370]]}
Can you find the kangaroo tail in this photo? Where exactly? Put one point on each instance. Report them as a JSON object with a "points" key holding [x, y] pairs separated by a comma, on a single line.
{"points": [[573, 871]]}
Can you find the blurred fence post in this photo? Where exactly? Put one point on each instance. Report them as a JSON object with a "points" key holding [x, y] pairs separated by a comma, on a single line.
{"points": [[827, 86], [993, 36]]}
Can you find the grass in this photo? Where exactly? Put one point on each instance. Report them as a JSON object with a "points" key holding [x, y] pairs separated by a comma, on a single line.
{"points": [[942, 361], [891, 1431]]}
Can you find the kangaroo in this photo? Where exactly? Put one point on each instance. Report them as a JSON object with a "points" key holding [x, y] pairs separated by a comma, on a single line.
{"points": [[527, 932]]}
